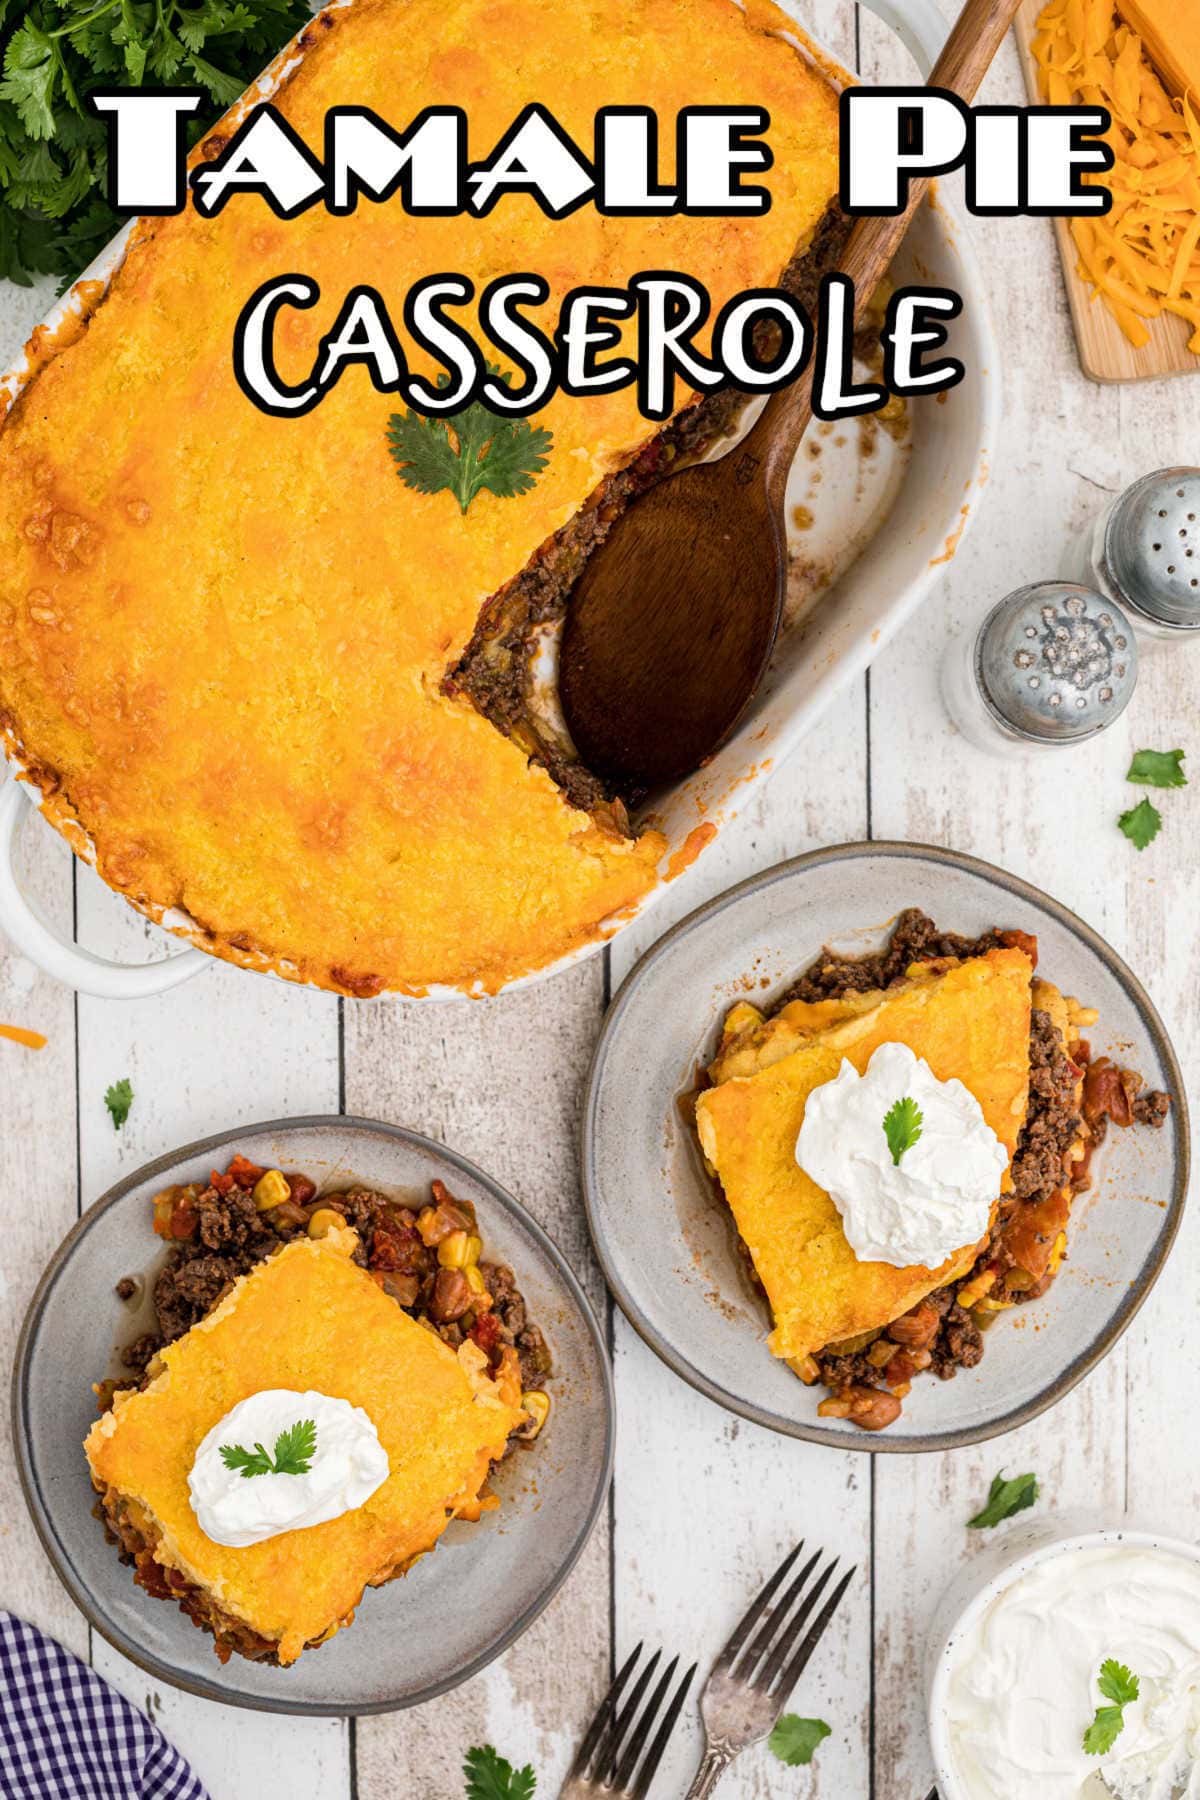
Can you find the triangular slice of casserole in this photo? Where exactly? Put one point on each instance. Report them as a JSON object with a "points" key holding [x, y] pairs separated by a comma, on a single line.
{"points": [[969, 1021]]}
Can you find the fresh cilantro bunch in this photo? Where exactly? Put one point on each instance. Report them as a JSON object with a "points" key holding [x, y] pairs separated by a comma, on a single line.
{"points": [[53, 153]]}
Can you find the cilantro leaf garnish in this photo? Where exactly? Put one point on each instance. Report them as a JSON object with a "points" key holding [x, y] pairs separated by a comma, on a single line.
{"points": [[54, 216], [902, 1125], [1157, 768], [118, 1099], [1141, 824], [1118, 1685], [489, 1777], [1005, 1498], [476, 449], [294, 1451], [794, 1740]]}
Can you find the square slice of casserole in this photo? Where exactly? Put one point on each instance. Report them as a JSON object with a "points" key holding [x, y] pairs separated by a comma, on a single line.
{"points": [[277, 695], [307, 1318], [970, 1021]]}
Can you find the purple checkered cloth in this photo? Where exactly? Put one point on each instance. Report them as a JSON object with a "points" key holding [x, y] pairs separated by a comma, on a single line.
{"points": [[66, 1735]]}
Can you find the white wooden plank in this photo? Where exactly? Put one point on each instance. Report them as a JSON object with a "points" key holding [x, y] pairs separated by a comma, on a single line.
{"points": [[1052, 822], [225, 1049], [1157, 426], [37, 1178], [499, 1081]]}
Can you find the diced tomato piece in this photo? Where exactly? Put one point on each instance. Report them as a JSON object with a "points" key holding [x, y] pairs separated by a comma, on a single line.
{"points": [[183, 1221], [486, 1333], [245, 1173], [222, 1183], [396, 1248]]}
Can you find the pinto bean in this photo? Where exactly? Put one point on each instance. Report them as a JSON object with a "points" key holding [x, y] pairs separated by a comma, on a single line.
{"points": [[451, 1296], [917, 1329], [870, 1408]]}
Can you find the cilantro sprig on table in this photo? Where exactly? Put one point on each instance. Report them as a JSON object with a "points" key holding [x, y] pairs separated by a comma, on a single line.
{"points": [[53, 151], [1006, 1497], [902, 1126], [489, 1777], [475, 449], [294, 1451], [1150, 768], [1121, 1688], [794, 1740], [119, 1097]]}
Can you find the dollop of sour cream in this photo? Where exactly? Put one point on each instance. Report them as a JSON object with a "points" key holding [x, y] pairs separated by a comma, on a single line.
{"points": [[1022, 1684], [347, 1466], [939, 1197]]}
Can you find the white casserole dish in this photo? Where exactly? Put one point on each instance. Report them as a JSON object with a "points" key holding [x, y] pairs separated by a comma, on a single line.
{"points": [[831, 642]]}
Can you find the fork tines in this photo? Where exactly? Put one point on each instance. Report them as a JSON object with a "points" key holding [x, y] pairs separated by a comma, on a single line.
{"points": [[611, 1755], [773, 1659]]}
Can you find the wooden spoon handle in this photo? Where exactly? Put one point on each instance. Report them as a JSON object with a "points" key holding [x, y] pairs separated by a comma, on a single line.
{"points": [[974, 39]]}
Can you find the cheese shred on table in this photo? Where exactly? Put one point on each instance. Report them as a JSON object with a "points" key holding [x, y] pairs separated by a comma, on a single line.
{"points": [[1143, 257]]}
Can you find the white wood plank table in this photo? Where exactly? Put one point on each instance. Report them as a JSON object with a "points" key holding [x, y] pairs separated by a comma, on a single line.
{"points": [[703, 1504]]}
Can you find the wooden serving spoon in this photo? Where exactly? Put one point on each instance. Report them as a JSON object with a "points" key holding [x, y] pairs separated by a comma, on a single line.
{"points": [[673, 621]]}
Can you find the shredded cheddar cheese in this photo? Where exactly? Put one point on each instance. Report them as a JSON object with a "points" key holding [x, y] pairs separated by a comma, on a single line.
{"points": [[1143, 257], [33, 1040]]}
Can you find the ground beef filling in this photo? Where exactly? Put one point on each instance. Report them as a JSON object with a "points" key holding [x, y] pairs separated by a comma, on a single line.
{"points": [[938, 1334], [219, 1233]]}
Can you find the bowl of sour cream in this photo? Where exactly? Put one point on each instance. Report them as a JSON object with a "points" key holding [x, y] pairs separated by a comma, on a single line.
{"points": [[1031, 1658]]}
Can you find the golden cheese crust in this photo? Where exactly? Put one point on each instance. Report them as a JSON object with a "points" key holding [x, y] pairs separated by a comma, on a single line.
{"points": [[222, 635], [308, 1318], [970, 1021]]}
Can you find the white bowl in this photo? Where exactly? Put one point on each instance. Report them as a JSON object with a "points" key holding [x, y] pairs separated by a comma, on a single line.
{"points": [[988, 1575], [829, 644]]}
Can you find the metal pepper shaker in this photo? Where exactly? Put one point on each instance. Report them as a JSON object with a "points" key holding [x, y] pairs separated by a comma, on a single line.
{"points": [[1052, 664], [1144, 553]]}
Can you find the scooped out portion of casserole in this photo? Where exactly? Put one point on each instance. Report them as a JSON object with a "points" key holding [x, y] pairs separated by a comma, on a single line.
{"points": [[1007, 1046], [278, 696], [310, 1325]]}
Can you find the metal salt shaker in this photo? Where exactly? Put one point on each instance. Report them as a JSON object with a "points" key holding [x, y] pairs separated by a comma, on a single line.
{"points": [[1053, 664], [1144, 553]]}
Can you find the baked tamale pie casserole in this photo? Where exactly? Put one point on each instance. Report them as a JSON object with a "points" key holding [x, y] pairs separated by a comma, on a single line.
{"points": [[900, 1142], [278, 696], [330, 1383]]}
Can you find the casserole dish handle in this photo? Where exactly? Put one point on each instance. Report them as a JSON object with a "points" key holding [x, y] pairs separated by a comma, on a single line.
{"points": [[918, 24], [24, 924]]}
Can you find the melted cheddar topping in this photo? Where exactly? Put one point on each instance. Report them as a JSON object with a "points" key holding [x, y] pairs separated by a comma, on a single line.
{"points": [[223, 634], [970, 1022], [309, 1318]]}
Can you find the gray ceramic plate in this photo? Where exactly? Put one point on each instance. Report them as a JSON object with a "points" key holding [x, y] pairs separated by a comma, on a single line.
{"points": [[665, 1241], [414, 1638]]}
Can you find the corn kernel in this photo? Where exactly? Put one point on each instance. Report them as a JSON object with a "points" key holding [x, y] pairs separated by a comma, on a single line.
{"points": [[537, 1405], [453, 1251], [323, 1221], [271, 1190], [483, 1300]]}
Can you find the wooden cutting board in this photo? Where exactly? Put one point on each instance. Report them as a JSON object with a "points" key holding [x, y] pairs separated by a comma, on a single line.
{"points": [[1105, 353]]}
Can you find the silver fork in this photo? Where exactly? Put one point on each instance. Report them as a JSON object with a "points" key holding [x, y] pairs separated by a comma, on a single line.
{"points": [[753, 1677], [610, 1759]]}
